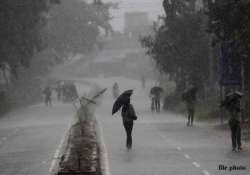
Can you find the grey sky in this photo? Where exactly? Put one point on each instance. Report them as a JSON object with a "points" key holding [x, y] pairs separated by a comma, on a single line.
{"points": [[153, 7]]}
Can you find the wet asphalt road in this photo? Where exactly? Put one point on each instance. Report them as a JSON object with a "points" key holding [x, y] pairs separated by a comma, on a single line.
{"points": [[29, 138], [163, 144]]}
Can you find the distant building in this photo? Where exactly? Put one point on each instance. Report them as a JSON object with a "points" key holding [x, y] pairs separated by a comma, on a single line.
{"points": [[136, 24]]}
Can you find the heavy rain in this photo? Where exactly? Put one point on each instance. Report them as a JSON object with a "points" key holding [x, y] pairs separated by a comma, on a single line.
{"points": [[124, 87]]}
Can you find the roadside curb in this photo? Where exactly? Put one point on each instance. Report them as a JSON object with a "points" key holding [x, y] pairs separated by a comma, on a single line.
{"points": [[60, 152], [103, 153]]}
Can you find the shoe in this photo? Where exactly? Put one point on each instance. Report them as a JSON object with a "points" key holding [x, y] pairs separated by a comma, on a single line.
{"points": [[233, 149], [239, 149]]}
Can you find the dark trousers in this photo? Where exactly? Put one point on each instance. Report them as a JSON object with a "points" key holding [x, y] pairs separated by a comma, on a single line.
{"points": [[156, 105], [128, 125], [48, 101], [235, 133], [190, 117]]}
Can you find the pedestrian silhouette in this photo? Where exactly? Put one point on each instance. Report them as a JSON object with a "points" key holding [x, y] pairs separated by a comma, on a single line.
{"points": [[59, 88], [115, 90], [232, 105], [128, 117], [155, 94], [189, 97], [47, 93], [128, 114]]}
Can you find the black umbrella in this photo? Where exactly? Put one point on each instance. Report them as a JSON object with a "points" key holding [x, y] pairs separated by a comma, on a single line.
{"points": [[190, 94], [235, 94], [121, 100], [232, 98], [156, 90]]}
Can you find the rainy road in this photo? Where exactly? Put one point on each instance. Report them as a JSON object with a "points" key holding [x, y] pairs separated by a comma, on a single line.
{"points": [[163, 144], [29, 138]]}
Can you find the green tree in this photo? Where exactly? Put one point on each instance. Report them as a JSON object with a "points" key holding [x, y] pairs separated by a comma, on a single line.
{"points": [[75, 26], [179, 46], [21, 37], [20, 33], [229, 20]]}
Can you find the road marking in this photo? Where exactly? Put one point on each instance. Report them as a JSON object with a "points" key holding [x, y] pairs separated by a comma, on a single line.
{"points": [[187, 156], [179, 148], [205, 172], [196, 164]]}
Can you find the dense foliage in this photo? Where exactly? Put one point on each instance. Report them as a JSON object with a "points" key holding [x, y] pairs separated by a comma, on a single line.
{"points": [[229, 21], [33, 33], [180, 45], [75, 26], [27, 27], [20, 26]]}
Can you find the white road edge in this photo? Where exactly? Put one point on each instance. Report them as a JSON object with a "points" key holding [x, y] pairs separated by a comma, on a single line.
{"points": [[104, 161], [54, 166]]}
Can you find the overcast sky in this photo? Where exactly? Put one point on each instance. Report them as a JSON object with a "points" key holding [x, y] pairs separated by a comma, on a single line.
{"points": [[153, 7]]}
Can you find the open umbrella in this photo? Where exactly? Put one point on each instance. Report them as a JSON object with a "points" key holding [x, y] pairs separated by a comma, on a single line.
{"points": [[189, 94], [235, 94], [156, 90], [121, 100], [232, 98]]}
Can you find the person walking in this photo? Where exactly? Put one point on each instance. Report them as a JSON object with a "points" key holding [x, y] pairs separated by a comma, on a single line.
{"points": [[190, 99], [128, 114], [235, 128], [155, 103], [115, 90], [155, 95], [128, 117], [232, 105], [59, 87], [47, 93], [152, 97], [190, 104]]}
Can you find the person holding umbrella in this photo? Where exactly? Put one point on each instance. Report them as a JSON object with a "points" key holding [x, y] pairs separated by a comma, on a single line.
{"points": [[128, 114], [155, 94], [47, 96], [232, 105]]}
